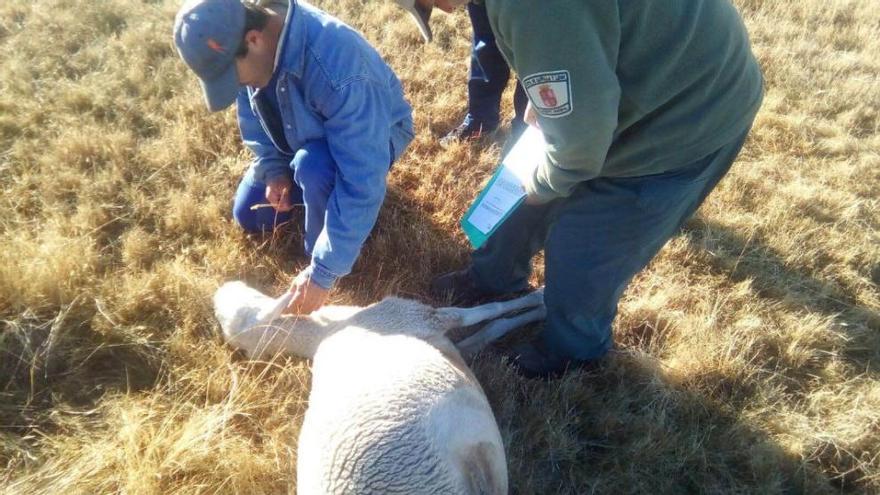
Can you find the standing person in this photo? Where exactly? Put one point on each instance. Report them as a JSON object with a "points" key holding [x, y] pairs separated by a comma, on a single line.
{"points": [[489, 74], [644, 106], [322, 112]]}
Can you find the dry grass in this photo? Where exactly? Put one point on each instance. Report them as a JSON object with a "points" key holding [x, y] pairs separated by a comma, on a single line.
{"points": [[749, 351]]}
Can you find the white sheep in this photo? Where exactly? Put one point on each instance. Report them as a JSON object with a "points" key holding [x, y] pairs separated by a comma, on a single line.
{"points": [[393, 408]]}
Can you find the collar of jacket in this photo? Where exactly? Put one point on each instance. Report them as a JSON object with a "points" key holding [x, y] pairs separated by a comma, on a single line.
{"points": [[292, 41]]}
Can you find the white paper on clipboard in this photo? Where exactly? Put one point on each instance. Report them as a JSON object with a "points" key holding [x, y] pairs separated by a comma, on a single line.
{"points": [[504, 193]]}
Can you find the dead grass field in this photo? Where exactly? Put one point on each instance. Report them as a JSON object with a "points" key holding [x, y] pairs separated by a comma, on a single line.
{"points": [[749, 350]]}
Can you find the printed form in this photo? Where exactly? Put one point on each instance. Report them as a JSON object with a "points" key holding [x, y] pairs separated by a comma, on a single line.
{"points": [[505, 192]]}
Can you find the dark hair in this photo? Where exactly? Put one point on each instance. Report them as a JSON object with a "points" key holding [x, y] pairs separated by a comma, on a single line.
{"points": [[255, 17]]}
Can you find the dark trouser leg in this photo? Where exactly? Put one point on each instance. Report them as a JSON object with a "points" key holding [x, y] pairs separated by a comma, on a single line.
{"points": [[606, 232], [504, 263], [489, 71]]}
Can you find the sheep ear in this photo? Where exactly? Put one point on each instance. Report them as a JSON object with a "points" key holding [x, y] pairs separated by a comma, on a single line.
{"points": [[273, 310]]}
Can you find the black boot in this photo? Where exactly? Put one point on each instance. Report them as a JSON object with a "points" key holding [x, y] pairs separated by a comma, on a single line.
{"points": [[458, 288], [534, 360], [470, 130]]}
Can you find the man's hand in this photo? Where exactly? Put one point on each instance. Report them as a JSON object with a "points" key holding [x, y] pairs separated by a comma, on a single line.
{"points": [[307, 296], [278, 193]]}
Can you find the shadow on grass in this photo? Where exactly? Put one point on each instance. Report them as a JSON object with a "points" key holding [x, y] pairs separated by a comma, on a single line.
{"points": [[64, 365], [741, 258], [628, 428], [405, 249], [632, 427]]}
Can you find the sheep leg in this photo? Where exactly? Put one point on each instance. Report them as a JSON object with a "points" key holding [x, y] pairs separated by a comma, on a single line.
{"points": [[463, 317], [497, 329]]}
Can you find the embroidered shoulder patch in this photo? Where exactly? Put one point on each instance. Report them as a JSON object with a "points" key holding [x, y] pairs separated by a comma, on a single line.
{"points": [[550, 92]]}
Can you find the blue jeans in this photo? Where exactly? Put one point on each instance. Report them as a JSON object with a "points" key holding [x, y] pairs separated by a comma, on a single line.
{"points": [[489, 74], [594, 242], [313, 173]]}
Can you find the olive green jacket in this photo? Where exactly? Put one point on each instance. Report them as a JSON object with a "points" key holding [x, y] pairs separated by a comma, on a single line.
{"points": [[628, 87]]}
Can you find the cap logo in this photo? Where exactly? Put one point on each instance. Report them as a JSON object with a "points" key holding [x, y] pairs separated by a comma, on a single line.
{"points": [[213, 45]]}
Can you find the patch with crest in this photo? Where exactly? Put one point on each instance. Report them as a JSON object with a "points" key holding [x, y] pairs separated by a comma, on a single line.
{"points": [[550, 93]]}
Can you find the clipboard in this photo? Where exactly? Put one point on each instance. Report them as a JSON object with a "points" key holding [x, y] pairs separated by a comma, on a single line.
{"points": [[506, 189]]}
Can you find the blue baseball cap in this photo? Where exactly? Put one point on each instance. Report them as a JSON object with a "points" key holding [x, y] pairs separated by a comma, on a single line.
{"points": [[207, 34]]}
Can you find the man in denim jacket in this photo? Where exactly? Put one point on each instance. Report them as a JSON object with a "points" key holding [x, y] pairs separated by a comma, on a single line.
{"points": [[323, 113]]}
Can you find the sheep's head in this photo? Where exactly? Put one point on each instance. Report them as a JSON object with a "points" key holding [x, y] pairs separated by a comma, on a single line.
{"points": [[239, 308]]}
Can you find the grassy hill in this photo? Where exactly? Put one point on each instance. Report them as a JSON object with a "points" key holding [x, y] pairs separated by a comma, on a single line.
{"points": [[749, 350]]}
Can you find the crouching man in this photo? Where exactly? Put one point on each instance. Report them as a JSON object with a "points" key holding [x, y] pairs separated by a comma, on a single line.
{"points": [[323, 113], [644, 106]]}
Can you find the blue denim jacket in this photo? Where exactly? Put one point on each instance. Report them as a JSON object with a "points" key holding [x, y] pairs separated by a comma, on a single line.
{"points": [[331, 84]]}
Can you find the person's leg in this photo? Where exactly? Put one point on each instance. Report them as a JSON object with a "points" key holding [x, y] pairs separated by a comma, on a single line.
{"points": [[602, 236], [488, 78], [489, 71], [314, 171], [246, 212], [503, 264]]}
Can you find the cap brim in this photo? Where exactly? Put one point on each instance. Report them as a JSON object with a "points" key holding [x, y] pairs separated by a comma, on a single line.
{"points": [[221, 91], [422, 15]]}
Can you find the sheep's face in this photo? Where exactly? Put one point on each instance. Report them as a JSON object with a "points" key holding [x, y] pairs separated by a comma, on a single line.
{"points": [[239, 307]]}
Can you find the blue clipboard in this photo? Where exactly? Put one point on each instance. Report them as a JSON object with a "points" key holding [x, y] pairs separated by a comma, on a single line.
{"points": [[476, 236], [517, 167]]}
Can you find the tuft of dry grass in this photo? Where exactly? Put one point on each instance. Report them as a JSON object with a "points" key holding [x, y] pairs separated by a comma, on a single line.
{"points": [[748, 356]]}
